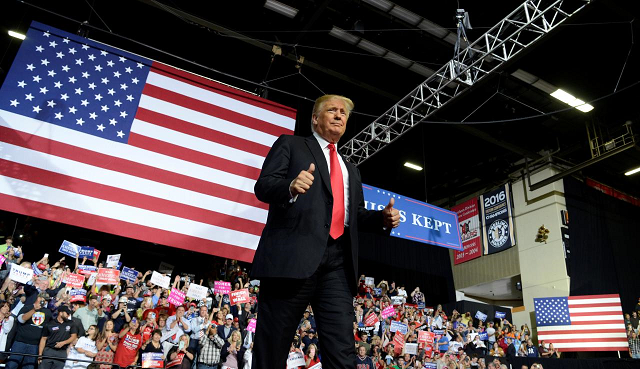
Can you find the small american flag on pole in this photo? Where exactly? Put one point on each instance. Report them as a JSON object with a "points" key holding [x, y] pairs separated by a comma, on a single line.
{"points": [[581, 323], [100, 138]]}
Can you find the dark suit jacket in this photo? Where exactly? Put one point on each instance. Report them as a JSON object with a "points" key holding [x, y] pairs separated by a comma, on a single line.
{"points": [[295, 236]]}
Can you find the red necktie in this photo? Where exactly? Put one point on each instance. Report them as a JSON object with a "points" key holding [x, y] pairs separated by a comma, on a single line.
{"points": [[337, 187]]}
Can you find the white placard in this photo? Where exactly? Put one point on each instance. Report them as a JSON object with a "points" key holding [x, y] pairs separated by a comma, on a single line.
{"points": [[295, 360], [20, 274], [112, 260], [369, 281], [197, 291], [317, 366], [411, 348], [92, 279], [160, 280]]}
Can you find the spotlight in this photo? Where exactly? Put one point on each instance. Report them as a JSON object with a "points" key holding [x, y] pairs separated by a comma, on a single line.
{"points": [[17, 35]]}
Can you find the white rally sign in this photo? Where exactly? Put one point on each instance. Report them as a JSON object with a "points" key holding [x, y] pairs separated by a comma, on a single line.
{"points": [[160, 280]]}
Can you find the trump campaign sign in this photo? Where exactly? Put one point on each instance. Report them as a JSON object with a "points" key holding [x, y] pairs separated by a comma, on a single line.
{"points": [[419, 221], [239, 296]]}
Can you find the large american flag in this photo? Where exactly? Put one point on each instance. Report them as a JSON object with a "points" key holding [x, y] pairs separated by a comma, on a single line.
{"points": [[100, 138], [581, 323]]}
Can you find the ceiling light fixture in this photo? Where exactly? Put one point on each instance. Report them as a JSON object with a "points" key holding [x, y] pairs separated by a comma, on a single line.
{"points": [[571, 100], [383, 5], [413, 166], [372, 48], [407, 16], [632, 171], [17, 35], [281, 8]]}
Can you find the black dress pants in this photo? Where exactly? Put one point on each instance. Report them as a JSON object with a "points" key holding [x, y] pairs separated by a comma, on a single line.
{"points": [[283, 301]]}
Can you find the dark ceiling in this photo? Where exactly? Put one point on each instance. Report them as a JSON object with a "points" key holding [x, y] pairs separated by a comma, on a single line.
{"points": [[592, 56]]}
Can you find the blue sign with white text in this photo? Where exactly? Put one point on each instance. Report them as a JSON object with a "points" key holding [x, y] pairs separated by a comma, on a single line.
{"points": [[86, 252], [419, 221], [69, 248], [128, 274]]}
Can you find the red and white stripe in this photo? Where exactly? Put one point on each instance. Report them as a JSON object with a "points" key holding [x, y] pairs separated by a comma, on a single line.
{"points": [[184, 179], [597, 324]]}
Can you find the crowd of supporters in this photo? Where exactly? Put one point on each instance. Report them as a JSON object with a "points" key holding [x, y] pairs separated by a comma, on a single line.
{"points": [[134, 320]]}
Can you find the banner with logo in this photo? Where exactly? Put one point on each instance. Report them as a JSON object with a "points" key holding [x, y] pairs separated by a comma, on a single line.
{"points": [[295, 360], [222, 287], [197, 291], [470, 235], [480, 315], [251, 327], [86, 252], [497, 220], [20, 274], [500, 315], [69, 249], [112, 260], [176, 297], [419, 221], [160, 279], [152, 360], [78, 295], [129, 275], [396, 326], [371, 320], [74, 280], [239, 296], [108, 276], [426, 337], [387, 312]]}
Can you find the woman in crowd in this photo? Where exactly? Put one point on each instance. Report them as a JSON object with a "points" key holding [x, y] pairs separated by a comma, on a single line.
{"points": [[6, 324], [496, 350], [146, 304], [220, 318], [231, 351], [162, 321], [129, 344], [106, 344], [181, 356], [153, 344], [84, 349], [149, 319], [311, 356]]}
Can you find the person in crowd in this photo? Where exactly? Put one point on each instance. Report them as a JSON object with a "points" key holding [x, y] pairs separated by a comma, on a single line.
{"points": [[210, 349], [532, 350], [225, 331], [362, 360], [149, 324], [198, 326], [496, 350], [543, 349], [232, 351], [634, 346], [6, 325], [248, 357], [84, 349], [311, 355], [129, 343], [288, 183], [57, 335], [181, 356], [153, 345], [177, 325], [32, 320], [89, 314], [106, 344], [121, 315]]}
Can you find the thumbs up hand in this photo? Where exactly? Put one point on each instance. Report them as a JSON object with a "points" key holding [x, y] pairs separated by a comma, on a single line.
{"points": [[391, 216], [303, 181]]}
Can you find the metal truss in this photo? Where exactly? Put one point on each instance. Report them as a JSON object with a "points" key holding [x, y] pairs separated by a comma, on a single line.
{"points": [[524, 26]]}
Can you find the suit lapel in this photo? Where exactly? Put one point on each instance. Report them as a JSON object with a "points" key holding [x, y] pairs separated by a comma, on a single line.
{"points": [[320, 161]]}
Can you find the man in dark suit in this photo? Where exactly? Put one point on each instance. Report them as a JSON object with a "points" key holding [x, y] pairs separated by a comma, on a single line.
{"points": [[308, 251]]}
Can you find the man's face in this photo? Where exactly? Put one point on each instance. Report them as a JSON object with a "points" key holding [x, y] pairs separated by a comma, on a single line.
{"points": [[129, 291], [203, 311], [331, 121], [362, 350]]}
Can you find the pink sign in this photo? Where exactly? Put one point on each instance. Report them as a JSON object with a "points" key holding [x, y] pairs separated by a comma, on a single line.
{"points": [[251, 327], [222, 287], [108, 276], [2, 259], [96, 254], [239, 296], [469, 224], [176, 297], [74, 280], [387, 312]]}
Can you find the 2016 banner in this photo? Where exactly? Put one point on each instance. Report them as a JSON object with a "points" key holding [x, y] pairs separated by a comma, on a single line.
{"points": [[419, 221], [497, 220], [469, 226]]}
